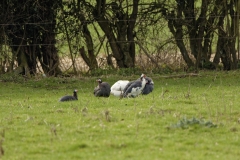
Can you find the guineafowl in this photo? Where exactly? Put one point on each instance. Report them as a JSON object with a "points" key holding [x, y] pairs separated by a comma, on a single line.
{"points": [[102, 90], [69, 98], [148, 87], [118, 87], [135, 88]]}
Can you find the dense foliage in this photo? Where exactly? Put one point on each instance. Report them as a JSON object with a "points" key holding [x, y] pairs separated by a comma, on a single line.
{"points": [[33, 33]]}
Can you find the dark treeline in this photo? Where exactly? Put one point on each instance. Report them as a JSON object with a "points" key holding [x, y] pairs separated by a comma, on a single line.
{"points": [[30, 32]]}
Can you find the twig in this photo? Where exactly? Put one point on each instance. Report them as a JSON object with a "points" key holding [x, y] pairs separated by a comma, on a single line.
{"points": [[145, 51]]}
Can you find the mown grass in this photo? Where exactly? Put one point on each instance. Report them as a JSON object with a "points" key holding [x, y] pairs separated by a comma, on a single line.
{"points": [[34, 125]]}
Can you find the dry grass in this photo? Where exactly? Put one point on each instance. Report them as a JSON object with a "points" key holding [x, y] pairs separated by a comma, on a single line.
{"points": [[172, 60]]}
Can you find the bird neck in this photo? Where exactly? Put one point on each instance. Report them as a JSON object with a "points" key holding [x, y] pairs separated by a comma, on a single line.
{"points": [[75, 95], [143, 82]]}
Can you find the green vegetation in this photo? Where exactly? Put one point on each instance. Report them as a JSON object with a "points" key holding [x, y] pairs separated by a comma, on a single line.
{"points": [[59, 37], [186, 117]]}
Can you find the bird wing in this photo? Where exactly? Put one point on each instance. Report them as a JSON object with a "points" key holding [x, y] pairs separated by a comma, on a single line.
{"points": [[67, 98], [102, 90], [133, 89], [127, 86], [149, 86], [106, 86], [147, 89], [96, 89]]}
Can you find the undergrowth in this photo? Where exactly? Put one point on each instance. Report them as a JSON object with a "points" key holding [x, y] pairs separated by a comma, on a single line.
{"points": [[186, 123]]}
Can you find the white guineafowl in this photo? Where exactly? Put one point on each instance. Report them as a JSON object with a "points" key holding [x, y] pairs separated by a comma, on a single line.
{"points": [[118, 87]]}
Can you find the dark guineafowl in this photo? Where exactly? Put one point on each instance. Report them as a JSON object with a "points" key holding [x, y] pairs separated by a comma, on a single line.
{"points": [[148, 87], [69, 98], [135, 88], [102, 90]]}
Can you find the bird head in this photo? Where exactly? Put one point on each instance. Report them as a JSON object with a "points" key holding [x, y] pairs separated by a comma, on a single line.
{"points": [[142, 76], [149, 81], [75, 91], [152, 82], [99, 80]]}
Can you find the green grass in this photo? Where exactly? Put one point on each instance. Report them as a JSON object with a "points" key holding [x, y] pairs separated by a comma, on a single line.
{"points": [[37, 126]]}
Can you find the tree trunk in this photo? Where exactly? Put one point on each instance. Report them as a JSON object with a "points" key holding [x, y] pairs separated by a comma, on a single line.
{"points": [[31, 36], [49, 58], [89, 57], [233, 33], [177, 31], [226, 38], [118, 30]]}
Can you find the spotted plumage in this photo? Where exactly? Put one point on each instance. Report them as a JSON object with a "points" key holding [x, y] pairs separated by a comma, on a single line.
{"points": [[149, 86], [102, 90], [135, 88]]}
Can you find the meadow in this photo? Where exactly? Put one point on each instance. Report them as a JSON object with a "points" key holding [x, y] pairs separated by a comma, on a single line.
{"points": [[185, 117]]}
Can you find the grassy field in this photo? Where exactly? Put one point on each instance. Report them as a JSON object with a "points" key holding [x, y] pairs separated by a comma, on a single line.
{"points": [[186, 117]]}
